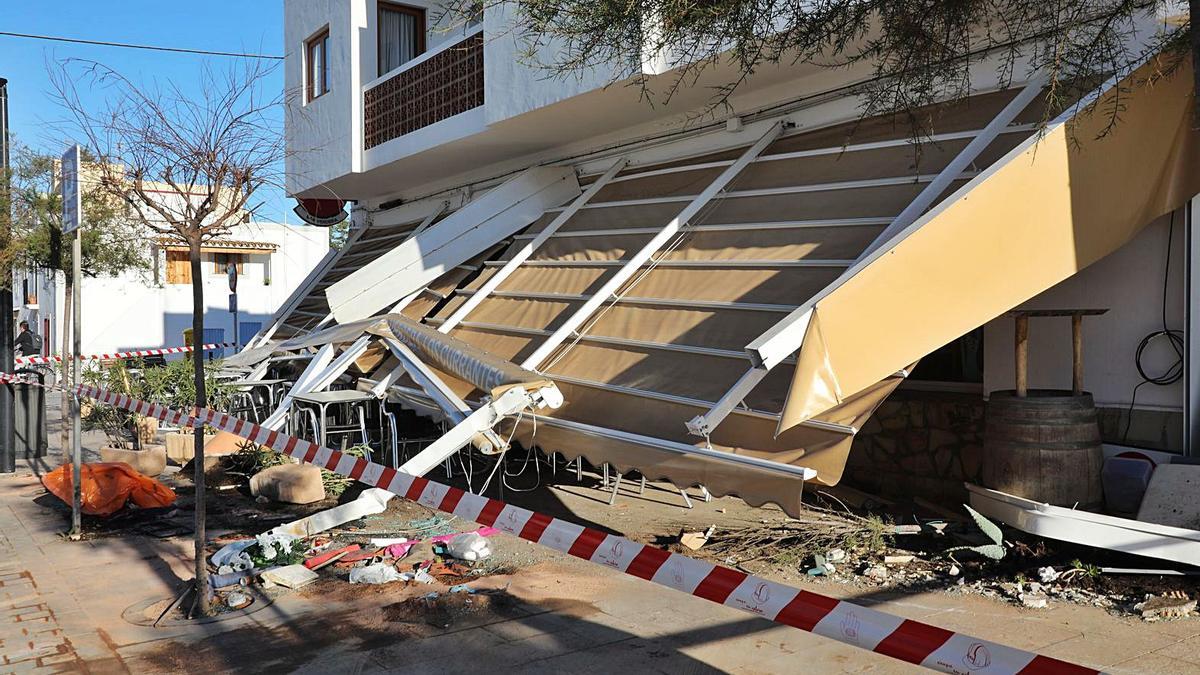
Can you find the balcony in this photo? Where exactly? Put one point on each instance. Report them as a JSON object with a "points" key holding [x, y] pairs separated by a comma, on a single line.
{"points": [[436, 85]]}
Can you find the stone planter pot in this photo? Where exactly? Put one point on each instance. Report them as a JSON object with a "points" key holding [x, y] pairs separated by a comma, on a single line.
{"points": [[181, 446], [151, 460]]}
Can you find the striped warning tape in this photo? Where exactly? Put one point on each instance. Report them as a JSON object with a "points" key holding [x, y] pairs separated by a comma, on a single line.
{"points": [[904, 639], [30, 360]]}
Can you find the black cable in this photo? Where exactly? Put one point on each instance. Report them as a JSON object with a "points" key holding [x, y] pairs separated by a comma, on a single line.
{"points": [[1174, 337], [126, 45]]}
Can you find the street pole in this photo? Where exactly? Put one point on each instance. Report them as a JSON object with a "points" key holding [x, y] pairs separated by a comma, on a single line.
{"points": [[72, 201], [76, 351], [231, 272], [8, 431]]}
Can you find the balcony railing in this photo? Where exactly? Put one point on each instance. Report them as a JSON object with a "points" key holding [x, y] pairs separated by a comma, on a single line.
{"points": [[436, 85]]}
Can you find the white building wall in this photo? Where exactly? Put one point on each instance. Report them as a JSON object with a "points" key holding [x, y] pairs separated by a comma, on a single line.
{"points": [[1129, 283], [324, 136], [132, 311]]}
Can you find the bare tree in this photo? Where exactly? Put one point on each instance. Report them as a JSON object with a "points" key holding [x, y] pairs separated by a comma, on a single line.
{"points": [[188, 167]]}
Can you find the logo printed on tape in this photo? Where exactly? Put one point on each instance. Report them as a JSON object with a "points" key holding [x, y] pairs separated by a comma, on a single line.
{"points": [[433, 495], [613, 556], [850, 625], [977, 657]]}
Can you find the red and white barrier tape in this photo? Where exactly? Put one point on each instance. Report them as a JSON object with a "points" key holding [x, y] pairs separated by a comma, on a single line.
{"points": [[862, 627], [30, 360]]}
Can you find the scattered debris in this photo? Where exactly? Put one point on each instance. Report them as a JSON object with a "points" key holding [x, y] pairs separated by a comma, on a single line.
{"points": [[1047, 574], [462, 588], [321, 560], [898, 559], [906, 529], [695, 540], [238, 600], [1170, 605], [290, 576], [876, 573], [377, 573], [384, 542], [822, 567], [1034, 600], [954, 571], [469, 546]]}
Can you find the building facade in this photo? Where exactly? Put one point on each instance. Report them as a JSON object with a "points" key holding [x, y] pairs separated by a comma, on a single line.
{"points": [[419, 123], [151, 308]]}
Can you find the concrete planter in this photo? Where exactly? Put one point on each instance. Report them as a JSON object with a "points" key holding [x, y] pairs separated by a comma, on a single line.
{"points": [[181, 446], [151, 460]]}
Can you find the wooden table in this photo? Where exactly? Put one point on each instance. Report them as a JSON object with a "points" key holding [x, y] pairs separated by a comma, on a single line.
{"points": [[1022, 344]]}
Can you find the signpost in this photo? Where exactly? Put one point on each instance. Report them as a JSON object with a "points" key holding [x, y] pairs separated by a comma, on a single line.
{"points": [[231, 270], [72, 219]]}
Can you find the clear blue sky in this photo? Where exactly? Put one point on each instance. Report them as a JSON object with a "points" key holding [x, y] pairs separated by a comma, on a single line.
{"points": [[220, 25]]}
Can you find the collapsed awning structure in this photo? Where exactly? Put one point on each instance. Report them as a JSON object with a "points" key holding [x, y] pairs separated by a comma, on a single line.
{"points": [[1053, 206], [650, 311]]}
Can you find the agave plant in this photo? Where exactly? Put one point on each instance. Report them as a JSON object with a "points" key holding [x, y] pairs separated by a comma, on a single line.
{"points": [[994, 550]]}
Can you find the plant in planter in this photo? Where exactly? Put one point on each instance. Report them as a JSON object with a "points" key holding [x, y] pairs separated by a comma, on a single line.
{"points": [[130, 436], [174, 386]]}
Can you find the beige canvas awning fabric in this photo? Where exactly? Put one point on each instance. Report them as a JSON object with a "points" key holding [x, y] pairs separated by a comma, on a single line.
{"points": [[1055, 205]]}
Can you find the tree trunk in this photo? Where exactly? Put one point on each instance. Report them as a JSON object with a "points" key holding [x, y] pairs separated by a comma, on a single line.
{"points": [[201, 401], [68, 298]]}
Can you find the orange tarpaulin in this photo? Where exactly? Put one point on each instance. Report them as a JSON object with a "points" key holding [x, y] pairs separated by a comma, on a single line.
{"points": [[106, 486]]}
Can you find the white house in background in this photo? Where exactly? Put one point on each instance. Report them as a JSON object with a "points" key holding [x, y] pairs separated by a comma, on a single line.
{"points": [[152, 308], [675, 303]]}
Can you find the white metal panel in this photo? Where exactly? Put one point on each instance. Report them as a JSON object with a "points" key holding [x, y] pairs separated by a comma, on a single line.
{"points": [[420, 260]]}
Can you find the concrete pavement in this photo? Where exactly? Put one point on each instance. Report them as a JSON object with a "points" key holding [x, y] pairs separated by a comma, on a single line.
{"points": [[62, 605]]}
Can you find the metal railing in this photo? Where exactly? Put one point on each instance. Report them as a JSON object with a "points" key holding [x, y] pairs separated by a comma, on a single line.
{"points": [[432, 87]]}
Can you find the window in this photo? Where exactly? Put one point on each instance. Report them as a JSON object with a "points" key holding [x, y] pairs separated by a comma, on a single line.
{"points": [[401, 35], [220, 260], [179, 268], [316, 62]]}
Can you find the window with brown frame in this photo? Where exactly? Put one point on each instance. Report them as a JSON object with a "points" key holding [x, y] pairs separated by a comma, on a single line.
{"points": [[401, 35], [220, 260], [179, 267], [316, 65]]}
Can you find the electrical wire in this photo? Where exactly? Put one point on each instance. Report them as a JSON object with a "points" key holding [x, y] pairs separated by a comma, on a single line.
{"points": [[1174, 337], [127, 45]]}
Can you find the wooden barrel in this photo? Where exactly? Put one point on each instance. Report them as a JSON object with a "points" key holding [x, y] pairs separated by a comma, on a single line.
{"points": [[1044, 447]]}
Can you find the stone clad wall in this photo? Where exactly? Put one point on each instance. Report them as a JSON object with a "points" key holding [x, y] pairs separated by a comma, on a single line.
{"points": [[926, 444], [920, 444]]}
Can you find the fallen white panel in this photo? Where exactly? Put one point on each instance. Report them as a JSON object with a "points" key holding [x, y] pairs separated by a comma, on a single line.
{"points": [[1170, 497], [420, 260], [1089, 529]]}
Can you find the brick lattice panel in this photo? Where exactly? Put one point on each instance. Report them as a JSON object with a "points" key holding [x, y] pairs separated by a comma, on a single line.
{"points": [[445, 85]]}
